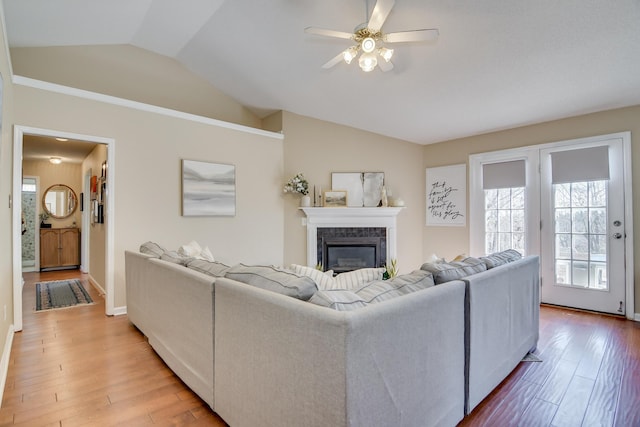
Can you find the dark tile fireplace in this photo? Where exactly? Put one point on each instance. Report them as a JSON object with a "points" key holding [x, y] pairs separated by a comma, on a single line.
{"points": [[343, 249]]}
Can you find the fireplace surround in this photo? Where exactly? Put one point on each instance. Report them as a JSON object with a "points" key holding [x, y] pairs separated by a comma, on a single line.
{"points": [[352, 227]]}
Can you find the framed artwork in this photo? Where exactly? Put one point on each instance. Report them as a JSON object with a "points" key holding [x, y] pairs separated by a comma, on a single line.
{"points": [[208, 189], [335, 199], [363, 188], [447, 195]]}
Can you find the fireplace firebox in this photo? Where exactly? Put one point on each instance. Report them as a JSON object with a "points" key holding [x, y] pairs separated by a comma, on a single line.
{"points": [[343, 249]]}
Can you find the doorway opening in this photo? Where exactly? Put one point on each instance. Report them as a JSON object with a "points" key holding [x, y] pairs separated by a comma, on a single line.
{"points": [[103, 256]]}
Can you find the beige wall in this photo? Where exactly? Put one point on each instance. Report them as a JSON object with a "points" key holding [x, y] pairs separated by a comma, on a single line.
{"points": [[317, 148], [147, 188], [132, 73], [97, 232], [6, 179], [450, 241]]}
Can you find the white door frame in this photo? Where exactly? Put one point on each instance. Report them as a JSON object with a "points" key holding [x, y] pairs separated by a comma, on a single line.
{"points": [[18, 135], [475, 188]]}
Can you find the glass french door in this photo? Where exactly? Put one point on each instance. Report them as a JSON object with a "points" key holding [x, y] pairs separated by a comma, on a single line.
{"points": [[583, 232]]}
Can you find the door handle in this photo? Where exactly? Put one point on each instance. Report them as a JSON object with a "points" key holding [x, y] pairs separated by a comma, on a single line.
{"points": [[617, 236]]}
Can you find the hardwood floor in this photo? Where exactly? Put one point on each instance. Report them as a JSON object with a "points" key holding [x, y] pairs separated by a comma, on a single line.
{"points": [[77, 367]]}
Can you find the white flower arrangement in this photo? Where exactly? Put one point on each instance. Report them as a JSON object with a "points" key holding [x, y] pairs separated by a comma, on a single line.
{"points": [[297, 184]]}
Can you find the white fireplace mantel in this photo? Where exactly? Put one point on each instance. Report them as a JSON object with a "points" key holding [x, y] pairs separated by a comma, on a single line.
{"points": [[350, 217]]}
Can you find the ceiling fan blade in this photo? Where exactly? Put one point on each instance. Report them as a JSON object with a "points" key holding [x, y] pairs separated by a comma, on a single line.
{"points": [[328, 33], [379, 15], [384, 65], [333, 61], [412, 36]]}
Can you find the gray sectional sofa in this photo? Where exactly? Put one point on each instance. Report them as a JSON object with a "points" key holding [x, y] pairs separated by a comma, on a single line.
{"points": [[415, 354]]}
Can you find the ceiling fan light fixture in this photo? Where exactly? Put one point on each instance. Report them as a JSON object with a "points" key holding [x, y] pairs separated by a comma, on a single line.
{"points": [[349, 54], [368, 62], [385, 53], [368, 44]]}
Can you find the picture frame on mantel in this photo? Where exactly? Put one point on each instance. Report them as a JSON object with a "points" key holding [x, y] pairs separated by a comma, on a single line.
{"points": [[363, 188], [335, 199]]}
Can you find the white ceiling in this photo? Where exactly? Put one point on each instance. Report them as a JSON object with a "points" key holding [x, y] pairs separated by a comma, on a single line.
{"points": [[497, 63]]}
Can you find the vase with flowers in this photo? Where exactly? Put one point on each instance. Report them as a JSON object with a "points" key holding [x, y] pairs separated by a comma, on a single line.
{"points": [[299, 185]]}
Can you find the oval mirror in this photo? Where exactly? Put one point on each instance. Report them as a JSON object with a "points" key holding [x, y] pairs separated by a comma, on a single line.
{"points": [[59, 201]]}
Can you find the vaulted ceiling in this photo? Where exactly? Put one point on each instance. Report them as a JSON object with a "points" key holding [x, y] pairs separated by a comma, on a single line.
{"points": [[497, 64]]}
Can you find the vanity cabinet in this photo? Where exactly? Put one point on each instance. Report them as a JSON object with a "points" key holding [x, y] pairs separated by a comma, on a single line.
{"points": [[59, 248]]}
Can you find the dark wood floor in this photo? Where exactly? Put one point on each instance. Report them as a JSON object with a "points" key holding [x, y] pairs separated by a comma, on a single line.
{"points": [[78, 367]]}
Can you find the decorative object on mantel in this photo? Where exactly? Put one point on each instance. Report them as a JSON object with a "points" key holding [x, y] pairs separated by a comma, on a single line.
{"points": [[335, 199], [299, 185], [447, 195], [363, 188]]}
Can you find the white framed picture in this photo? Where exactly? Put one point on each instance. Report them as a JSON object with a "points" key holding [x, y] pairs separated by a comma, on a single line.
{"points": [[447, 195], [208, 189]]}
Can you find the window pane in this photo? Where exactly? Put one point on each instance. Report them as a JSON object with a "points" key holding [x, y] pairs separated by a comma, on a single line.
{"points": [[598, 248], [504, 221], [563, 272], [580, 221], [518, 242], [580, 274], [563, 220], [563, 246], [598, 221], [491, 199], [491, 224], [598, 193], [579, 194], [504, 198], [580, 247], [505, 241], [562, 195], [517, 220], [517, 198], [491, 242], [598, 275]]}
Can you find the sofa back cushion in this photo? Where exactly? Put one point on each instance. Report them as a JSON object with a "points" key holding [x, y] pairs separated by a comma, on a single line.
{"points": [[454, 270], [274, 279], [500, 258], [215, 269], [323, 279], [176, 258]]}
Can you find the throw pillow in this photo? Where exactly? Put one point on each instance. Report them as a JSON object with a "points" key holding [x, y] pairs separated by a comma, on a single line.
{"points": [[323, 279], [382, 290], [454, 270], [274, 279], [191, 249], [206, 254], [354, 279], [338, 299], [153, 249]]}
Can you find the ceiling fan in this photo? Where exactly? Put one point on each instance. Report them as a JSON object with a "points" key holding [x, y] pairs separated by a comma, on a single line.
{"points": [[370, 40]]}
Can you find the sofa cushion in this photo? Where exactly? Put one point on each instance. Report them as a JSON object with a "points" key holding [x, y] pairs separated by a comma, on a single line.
{"points": [[323, 279], [355, 279], [499, 258], [454, 270], [152, 248], [338, 299], [176, 258], [215, 269], [274, 279]]}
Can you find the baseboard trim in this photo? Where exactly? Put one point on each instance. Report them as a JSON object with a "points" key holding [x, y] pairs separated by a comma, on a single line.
{"points": [[96, 285], [120, 311], [4, 362]]}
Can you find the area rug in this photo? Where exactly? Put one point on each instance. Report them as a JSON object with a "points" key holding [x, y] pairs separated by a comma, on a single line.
{"points": [[530, 357], [61, 294]]}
